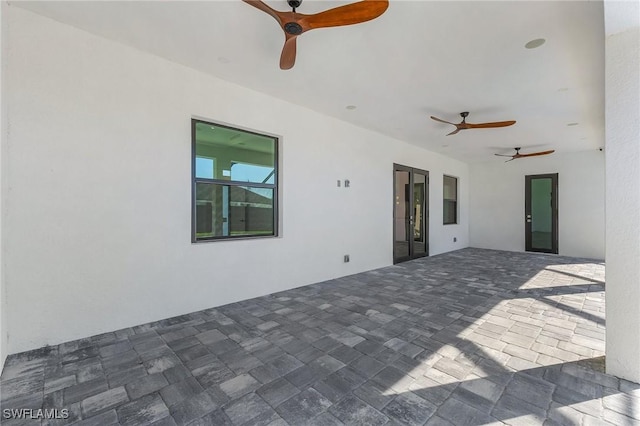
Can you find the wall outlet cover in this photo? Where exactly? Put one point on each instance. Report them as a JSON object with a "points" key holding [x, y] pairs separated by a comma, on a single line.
{"points": [[346, 258]]}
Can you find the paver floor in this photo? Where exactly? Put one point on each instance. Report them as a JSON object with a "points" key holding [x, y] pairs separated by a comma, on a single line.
{"points": [[465, 338]]}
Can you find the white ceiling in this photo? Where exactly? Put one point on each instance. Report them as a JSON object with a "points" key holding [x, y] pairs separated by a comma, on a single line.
{"points": [[419, 58]]}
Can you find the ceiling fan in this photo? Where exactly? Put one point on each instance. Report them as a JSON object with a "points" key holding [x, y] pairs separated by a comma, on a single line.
{"points": [[463, 125], [293, 24], [518, 155]]}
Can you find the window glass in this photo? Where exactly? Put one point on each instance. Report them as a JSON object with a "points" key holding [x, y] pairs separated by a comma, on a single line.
{"points": [[238, 155], [252, 173], [450, 200], [204, 167], [232, 211], [235, 180]]}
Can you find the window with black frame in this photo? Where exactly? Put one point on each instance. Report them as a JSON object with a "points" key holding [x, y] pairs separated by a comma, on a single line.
{"points": [[235, 178], [450, 200]]}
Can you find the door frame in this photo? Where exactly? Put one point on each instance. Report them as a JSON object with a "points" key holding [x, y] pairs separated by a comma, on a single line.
{"points": [[554, 213], [411, 170]]}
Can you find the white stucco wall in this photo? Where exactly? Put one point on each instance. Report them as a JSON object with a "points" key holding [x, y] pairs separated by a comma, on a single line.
{"points": [[622, 109], [497, 202], [97, 211]]}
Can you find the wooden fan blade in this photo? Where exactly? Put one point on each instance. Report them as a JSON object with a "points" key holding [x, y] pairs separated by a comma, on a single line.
{"points": [[489, 125], [442, 121], [503, 155], [455, 131], [258, 4], [288, 56], [535, 154], [349, 14]]}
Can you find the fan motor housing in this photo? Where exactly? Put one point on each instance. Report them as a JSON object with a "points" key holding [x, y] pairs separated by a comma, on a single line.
{"points": [[293, 28]]}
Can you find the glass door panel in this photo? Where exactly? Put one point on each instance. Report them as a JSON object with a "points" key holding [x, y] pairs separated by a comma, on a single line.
{"points": [[419, 214], [401, 216], [541, 221], [410, 213], [541, 214]]}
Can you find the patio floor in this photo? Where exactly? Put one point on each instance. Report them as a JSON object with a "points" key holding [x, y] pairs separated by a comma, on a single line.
{"points": [[465, 338]]}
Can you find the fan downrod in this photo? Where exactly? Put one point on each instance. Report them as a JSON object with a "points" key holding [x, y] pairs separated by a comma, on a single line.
{"points": [[293, 28], [464, 115], [294, 4]]}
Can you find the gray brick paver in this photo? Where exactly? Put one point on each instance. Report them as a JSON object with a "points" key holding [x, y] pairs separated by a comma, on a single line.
{"points": [[146, 385], [179, 391], [239, 385], [103, 401], [84, 390], [248, 409], [461, 414], [277, 392], [303, 407], [107, 418], [409, 409], [353, 411], [193, 408], [146, 410], [464, 332]]}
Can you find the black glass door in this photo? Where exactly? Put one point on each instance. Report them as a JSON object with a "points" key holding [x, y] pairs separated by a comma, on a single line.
{"points": [[541, 213], [410, 213]]}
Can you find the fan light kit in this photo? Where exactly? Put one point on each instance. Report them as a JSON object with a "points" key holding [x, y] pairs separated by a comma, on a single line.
{"points": [[518, 155], [463, 125], [293, 24]]}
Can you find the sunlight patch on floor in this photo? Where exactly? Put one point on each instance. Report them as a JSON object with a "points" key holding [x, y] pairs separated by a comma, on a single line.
{"points": [[559, 275]]}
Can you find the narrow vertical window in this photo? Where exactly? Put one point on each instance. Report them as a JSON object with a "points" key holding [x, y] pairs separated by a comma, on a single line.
{"points": [[450, 202], [234, 177]]}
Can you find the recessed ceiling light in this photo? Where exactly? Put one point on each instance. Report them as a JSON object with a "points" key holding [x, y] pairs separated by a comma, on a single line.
{"points": [[535, 43], [351, 107], [572, 124]]}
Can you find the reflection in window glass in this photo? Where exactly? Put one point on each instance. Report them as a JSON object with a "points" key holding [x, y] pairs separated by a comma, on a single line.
{"points": [[237, 155], [252, 173], [204, 167]]}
